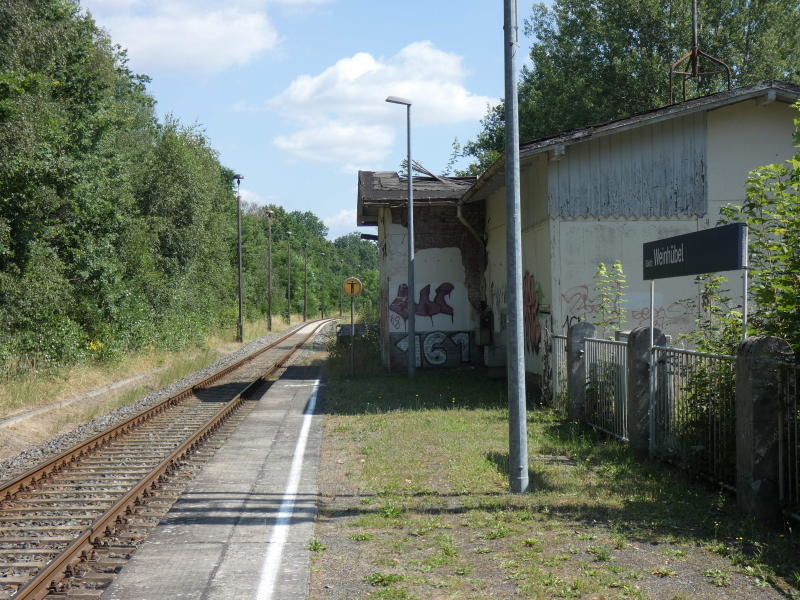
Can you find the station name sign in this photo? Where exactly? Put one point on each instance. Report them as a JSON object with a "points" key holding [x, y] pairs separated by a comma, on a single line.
{"points": [[707, 251]]}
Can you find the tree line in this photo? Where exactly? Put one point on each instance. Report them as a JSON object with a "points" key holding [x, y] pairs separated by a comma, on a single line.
{"points": [[117, 229]]}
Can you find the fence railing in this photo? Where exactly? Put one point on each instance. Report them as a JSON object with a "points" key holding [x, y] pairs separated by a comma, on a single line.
{"points": [[695, 426], [789, 439], [606, 392], [560, 399]]}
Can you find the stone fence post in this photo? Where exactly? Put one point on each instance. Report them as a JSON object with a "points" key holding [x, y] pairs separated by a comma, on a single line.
{"points": [[576, 367], [638, 351], [757, 406]]}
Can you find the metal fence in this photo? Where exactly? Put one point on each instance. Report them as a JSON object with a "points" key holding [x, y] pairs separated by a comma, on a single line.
{"points": [[606, 394], [789, 439], [559, 374], [695, 426]]}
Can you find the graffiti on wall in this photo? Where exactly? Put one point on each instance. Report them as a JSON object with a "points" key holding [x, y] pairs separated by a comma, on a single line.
{"points": [[531, 303], [425, 307], [579, 304], [663, 316], [434, 348]]}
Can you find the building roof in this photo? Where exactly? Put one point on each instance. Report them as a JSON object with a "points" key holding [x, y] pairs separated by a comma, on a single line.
{"points": [[378, 189], [765, 91]]}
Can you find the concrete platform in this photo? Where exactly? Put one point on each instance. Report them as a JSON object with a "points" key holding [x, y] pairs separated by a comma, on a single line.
{"points": [[241, 528]]}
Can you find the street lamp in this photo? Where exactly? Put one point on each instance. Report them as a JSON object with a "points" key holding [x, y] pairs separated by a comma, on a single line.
{"points": [[412, 334], [270, 215], [322, 287], [240, 324], [289, 277], [305, 281]]}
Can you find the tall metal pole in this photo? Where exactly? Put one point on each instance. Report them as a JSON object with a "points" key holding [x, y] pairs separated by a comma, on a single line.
{"points": [[240, 323], [270, 215], [288, 277], [305, 281], [517, 415], [412, 309], [322, 293]]}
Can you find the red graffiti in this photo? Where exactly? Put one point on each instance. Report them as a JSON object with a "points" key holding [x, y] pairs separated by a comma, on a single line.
{"points": [[425, 307]]}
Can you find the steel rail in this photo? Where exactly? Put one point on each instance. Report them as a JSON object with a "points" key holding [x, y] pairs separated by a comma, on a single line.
{"points": [[27, 480], [114, 520]]}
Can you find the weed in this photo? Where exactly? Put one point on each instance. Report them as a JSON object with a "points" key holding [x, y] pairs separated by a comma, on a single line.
{"points": [[316, 546], [390, 594], [664, 572], [390, 511], [533, 543], [718, 577], [383, 579], [673, 553], [361, 537], [483, 550], [496, 533], [601, 553]]}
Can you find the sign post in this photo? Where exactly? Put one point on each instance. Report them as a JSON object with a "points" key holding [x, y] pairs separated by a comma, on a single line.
{"points": [[352, 287], [707, 251]]}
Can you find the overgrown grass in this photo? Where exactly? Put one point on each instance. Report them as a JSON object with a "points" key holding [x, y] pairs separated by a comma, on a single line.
{"points": [[430, 459], [29, 389]]}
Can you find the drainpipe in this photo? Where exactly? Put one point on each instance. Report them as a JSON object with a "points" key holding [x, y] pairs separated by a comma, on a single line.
{"points": [[467, 226]]}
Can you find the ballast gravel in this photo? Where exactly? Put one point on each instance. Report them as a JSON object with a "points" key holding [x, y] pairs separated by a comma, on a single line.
{"points": [[35, 455]]}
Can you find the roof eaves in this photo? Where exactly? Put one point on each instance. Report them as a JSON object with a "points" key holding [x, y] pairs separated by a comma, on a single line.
{"points": [[784, 92]]}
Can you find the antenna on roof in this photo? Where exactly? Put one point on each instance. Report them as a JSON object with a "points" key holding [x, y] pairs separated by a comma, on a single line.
{"points": [[420, 169], [691, 62]]}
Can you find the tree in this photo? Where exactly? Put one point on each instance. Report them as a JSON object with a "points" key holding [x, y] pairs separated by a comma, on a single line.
{"points": [[597, 60]]}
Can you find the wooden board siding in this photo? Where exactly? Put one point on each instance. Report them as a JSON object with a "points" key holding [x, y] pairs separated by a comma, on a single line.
{"points": [[653, 171]]}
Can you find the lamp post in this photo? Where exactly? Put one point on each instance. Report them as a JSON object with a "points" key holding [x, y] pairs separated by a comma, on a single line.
{"points": [[322, 288], [305, 281], [341, 292], [412, 334], [270, 216], [288, 277], [240, 324]]}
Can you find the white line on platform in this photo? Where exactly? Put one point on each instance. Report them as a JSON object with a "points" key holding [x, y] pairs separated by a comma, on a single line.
{"points": [[280, 531]]}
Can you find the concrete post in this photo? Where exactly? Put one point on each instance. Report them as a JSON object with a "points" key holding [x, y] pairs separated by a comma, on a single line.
{"points": [[638, 351], [576, 367], [757, 406]]}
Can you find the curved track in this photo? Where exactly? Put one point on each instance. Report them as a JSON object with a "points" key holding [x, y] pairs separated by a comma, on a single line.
{"points": [[62, 517]]}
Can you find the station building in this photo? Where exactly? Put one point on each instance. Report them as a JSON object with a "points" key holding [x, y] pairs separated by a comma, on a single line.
{"points": [[587, 196]]}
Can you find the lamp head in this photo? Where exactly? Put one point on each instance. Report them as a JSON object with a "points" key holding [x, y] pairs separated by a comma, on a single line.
{"points": [[398, 100]]}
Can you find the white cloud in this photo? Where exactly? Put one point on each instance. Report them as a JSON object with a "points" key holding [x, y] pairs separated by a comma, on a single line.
{"points": [[354, 145], [343, 223], [184, 35], [340, 110], [252, 197]]}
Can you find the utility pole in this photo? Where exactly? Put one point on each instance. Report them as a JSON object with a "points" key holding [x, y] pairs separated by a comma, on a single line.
{"points": [[305, 281], [288, 277], [411, 353], [270, 216], [517, 415], [341, 293], [322, 287], [240, 323]]}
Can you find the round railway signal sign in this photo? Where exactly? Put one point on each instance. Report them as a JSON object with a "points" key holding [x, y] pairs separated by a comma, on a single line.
{"points": [[352, 286]]}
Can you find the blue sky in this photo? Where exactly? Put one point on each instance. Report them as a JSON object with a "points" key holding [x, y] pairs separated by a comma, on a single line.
{"points": [[291, 92]]}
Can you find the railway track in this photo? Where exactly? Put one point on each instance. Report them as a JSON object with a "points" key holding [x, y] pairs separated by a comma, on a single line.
{"points": [[69, 524]]}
